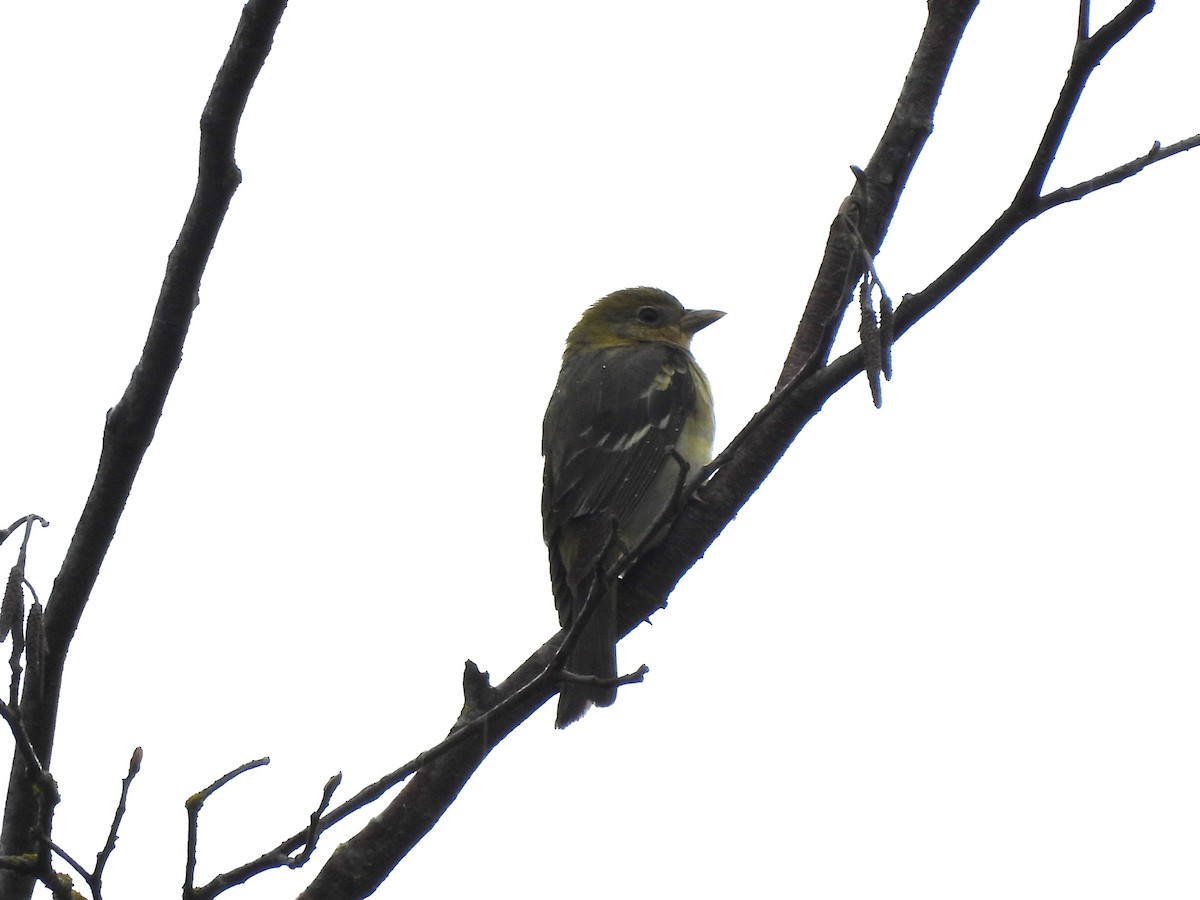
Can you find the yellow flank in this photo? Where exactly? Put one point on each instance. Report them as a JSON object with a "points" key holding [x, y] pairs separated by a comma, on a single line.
{"points": [[695, 443]]}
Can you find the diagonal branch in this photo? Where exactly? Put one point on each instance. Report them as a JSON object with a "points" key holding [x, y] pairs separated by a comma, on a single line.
{"points": [[873, 201], [1089, 52], [772, 430], [360, 864], [1156, 153], [96, 878], [193, 805], [487, 716], [915, 306], [130, 425]]}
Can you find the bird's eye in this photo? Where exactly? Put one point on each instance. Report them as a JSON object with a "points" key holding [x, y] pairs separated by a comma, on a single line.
{"points": [[649, 315]]}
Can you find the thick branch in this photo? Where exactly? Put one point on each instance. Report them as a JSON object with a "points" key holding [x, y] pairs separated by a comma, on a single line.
{"points": [[872, 203], [378, 848], [760, 446], [359, 865], [488, 715], [130, 424]]}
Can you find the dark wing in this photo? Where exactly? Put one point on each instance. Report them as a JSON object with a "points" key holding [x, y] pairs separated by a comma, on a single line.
{"points": [[609, 434]]}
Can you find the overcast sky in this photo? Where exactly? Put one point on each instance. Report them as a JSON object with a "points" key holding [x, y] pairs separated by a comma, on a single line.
{"points": [[949, 650]]}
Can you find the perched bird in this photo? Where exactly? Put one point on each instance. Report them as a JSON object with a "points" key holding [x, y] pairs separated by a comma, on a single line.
{"points": [[629, 425]]}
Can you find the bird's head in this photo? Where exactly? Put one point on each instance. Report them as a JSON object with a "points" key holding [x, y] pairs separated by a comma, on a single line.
{"points": [[638, 315]]}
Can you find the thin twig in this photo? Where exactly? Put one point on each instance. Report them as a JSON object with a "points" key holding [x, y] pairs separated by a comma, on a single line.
{"points": [[867, 258], [25, 747], [1027, 202], [38, 781], [314, 823], [194, 804], [26, 521], [130, 425], [70, 861], [135, 766], [538, 684], [1157, 153], [1088, 54], [915, 306]]}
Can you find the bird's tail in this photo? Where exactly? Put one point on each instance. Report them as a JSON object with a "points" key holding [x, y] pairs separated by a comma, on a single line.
{"points": [[594, 653]]}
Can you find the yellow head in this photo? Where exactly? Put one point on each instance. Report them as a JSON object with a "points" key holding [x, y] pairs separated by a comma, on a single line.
{"points": [[636, 315]]}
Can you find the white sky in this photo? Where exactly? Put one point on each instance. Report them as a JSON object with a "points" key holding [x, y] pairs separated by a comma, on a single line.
{"points": [[949, 651]]}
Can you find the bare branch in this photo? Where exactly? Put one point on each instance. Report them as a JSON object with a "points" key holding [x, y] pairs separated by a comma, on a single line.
{"points": [[1157, 153], [27, 521], [44, 789], [371, 854], [130, 424], [360, 864], [872, 202], [915, 306], [1089, 51], [70, 861], [770, 432], [97, 876], [25, 748], [806, 381], [476, 732], [278, 858], [193, 805], [314, 823]]}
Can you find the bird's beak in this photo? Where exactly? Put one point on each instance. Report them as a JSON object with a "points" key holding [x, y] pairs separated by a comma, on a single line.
{"points": [[695, 319]]}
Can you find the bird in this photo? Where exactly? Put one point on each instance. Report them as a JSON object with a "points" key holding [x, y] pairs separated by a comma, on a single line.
{"points": [[628, 429]]}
